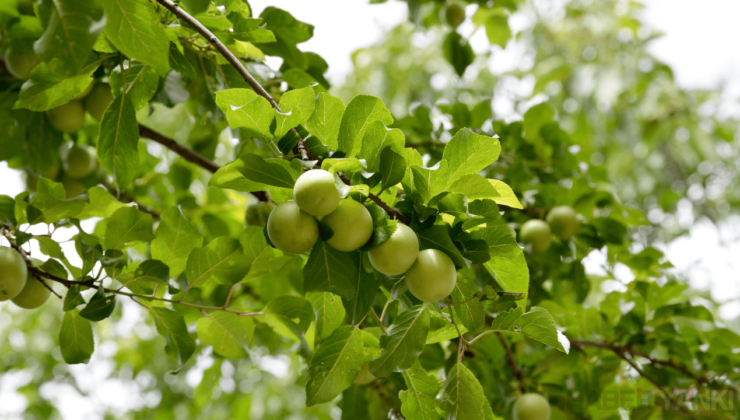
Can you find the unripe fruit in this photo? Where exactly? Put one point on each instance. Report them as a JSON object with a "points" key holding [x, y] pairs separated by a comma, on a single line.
{"points": [[531, 406], [20, 59], [68, 117], [257, 214], [432, 277], [537, 234], [81, 161], [34, 294], [315, 192], [52, 172], [72, 187], [85, 92], [396, 255], [455, 15], [98, 100], [563, 222], [365, 377], [292, 230], [13, 273], [352, 226]]}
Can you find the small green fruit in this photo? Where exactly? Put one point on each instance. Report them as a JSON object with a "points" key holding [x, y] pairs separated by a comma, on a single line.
{"points": [[85, 92], [81, 161], [536, 233], [455, 15], [396, 255], [432, 277], [34, 294], [20, 59], [563, 222], [257, 214], [365, 377], [68, 117], [352, 226], [531, 407], [98, 100], [13, 273], [315, 192], [72, 187], [292, 230]]}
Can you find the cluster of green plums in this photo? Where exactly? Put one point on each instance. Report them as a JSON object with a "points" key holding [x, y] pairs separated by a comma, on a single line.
{"points": [[536, 234], [80, 161], [293, 228], [16, 283]]}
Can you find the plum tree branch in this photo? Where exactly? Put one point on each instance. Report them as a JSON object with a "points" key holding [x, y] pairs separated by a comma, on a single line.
{"points": [[184, 152], [512, 363]]}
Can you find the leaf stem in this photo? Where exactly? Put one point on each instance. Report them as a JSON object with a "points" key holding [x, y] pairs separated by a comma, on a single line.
{"points": [[377, 319]]}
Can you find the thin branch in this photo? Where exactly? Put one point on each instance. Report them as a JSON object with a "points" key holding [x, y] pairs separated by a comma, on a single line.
{"points": [[512, 364], [388, 209], [176, 147]]}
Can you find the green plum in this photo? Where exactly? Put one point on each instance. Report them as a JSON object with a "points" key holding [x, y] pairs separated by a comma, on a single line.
{"points": [[352, 226], [13, 273], [72, 187], [531, 406], [20, 59], [396, 255], [316, 193], [85, 92], [365, 377], [68, 117], [432, 277], [291, 229], [455, 15], [34, 294], [81, 161], [98, 100], [563, 222], [536, 233], [257, 214]]}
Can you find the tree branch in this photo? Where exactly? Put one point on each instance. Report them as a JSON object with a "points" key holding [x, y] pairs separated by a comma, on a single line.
{"points": [[388, 209], [512, 364], [187, 154]]}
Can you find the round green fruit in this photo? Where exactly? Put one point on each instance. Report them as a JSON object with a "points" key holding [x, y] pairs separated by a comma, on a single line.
{"points": [[455, 15], [432, 277], [352, 226], [81, 161], [13, 273], [68, 117], [563, 222], [536, 233], [531, 407], [72, 187], [365, 377], [316, 193], [85, 92], [257, 214], [292, 230], [20, 59], [34, 294], [396, 255], [98, 100], [52, 172]]}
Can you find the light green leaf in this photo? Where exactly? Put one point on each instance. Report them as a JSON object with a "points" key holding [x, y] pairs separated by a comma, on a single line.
{"points": [[245, 109], [178, 343], [535, 118], [49, 87], [507, 264], [412, 158], [496, 22], [174, 240], [126, 227], [536, 324], [326, 119], [297, 106], [329, 270], [506, 195], [49, 204], [102, 204], [119, 138], [377, 138], [334, 165], [140, 84], [474, 187], [229, 176], [227, 332], [430, 182], [360, 113], [134, 28], [281, 312], [468, 153], [462, 396], [271, 173], [402, 342], [76, 338], [221, 261], [392, 168], [329, 312], [7, 210], [417, 401], [334, 366], [471, 314]]}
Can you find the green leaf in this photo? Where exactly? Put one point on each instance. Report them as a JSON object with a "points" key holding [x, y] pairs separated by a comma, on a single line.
{"points": [[180, 64], [99, 307], [325, 121], [354, 404], [430, 182], [174, 240], [392, 168], [134, 28], [329, 312], [462, 396], [7, 210], [471, 314], [73, 299], [367, 285], [362, 111], [536, 324], [334, 365], [229, 176], [342, 165], [227, 332], [496, 22], [507, 264], [280, 312], [255, 246], [178, 343], [485, 208], [197, 6], [54, 268], [140, 84], [71, 29], [506, 195], [329, 270], [128, 226], [259, 170], [535, 118], [102, 204], [221, 261], [377, 138], [458, 52], [148, 272], [417, 401], [49, 86], [402, 342], [474, 187], [76, 338], [245, 109], [49, 204], [42, 146], [438, 237], [469, 153], [297, 106], [119, 138], [383, 227]]}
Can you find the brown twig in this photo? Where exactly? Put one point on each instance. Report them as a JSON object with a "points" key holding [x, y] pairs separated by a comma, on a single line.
{"points": [[176, 147], [388, 209], [512, 364]]}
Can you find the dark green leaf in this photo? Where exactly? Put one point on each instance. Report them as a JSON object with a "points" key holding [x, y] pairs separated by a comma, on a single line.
{"points": [[178, 343], [329, 270], [259, 170], [360, 113], [128, 226], [392, 168], [119, 138], [73, 298], [458, 52], [438, 237], [76, 338], [462, 397], [402, 342], [99, 307], [134, 28], [334, 365]]}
